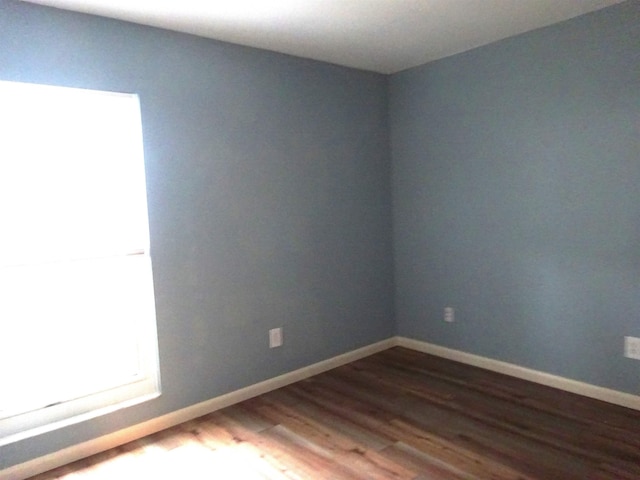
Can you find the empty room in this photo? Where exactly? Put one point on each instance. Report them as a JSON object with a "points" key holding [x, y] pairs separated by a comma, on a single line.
{"points": [[343, 239]]}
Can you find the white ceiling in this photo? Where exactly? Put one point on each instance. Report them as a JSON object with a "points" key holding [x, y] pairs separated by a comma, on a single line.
{"points": [[380, 35]]}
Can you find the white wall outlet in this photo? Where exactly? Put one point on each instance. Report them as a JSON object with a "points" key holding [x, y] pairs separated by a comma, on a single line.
{"points": [[632, 347], [275, 337], [449, 314]]}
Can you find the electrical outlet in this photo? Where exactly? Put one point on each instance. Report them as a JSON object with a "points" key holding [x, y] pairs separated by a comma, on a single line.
{"points": [[449, 314], [275, 337], [632, 347]]}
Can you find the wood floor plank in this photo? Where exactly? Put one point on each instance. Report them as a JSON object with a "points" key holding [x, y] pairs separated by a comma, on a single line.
{"points": [[576, 436], [344, 449], [398, 414], [448, 427], [428, 466], [298, 453]]}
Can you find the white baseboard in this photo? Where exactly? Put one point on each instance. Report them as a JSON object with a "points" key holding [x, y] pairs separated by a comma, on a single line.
{"points": [[592, 391], [100, 444], [91, 447]]}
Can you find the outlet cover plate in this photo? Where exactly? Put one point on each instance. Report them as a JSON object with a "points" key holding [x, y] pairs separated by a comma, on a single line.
{"points": [[449, 314], [632, 347], [275, 337]]}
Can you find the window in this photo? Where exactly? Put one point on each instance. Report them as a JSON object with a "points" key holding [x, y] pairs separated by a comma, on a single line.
{"points": [[77, 317]]}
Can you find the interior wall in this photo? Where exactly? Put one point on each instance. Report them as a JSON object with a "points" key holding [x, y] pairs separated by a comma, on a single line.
{"points": [[269, 196], [516, 173]]}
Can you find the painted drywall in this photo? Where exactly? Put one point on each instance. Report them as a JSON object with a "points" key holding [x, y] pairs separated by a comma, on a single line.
{"points": [[269, 196], [516, 182]]}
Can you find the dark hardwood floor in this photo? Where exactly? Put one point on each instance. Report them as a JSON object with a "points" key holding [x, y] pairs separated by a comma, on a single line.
{"points": [[398, 414]]}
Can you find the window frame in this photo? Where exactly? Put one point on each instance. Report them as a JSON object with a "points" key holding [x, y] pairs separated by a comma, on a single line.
{"points": [[139, 388]]}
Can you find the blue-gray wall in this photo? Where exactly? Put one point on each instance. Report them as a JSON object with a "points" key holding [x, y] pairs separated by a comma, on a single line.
{"points": [[516, 192], [269, 194], [516, 173]]}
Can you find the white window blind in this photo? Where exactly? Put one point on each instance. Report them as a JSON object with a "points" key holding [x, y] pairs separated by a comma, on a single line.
{"points": [[77, 318]]}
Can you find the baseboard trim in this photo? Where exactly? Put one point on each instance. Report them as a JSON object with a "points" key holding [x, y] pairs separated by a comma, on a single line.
{"points": [[106, 442], [585, 389]]}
